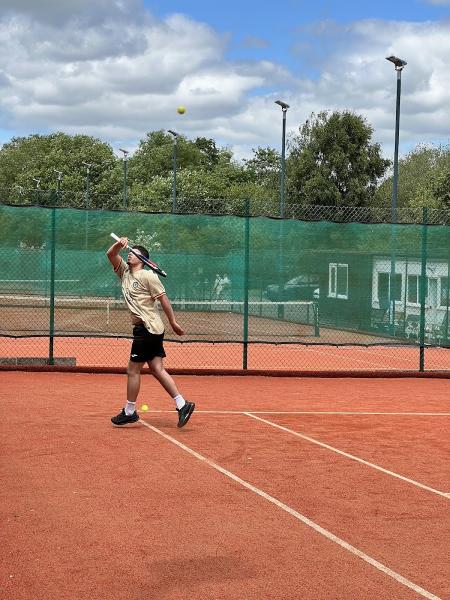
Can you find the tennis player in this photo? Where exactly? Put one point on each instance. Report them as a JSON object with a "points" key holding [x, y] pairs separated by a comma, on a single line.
{"points": [[141, 289]]}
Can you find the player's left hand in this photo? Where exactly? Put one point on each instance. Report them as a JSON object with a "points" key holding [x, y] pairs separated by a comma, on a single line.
{"points": [[177, 329]]}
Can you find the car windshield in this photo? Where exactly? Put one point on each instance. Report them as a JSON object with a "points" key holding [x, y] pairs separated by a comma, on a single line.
{"points": [[302, 279]]}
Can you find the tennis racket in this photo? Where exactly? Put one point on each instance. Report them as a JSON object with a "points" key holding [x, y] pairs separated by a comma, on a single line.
{"points": [[153, 266]]}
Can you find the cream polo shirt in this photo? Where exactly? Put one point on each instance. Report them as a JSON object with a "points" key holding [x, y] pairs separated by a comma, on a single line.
{"points": [[140, 291]]}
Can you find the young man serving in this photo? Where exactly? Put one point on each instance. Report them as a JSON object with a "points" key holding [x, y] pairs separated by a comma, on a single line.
{"points": [[141, 289]]}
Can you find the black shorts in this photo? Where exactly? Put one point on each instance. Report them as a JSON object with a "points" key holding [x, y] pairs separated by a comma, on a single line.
{"points": [[146, 345]]}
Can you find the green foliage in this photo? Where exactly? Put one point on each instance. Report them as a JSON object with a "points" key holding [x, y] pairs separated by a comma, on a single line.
{"points": [[332, 161], [423, 179], [37, 156], [154, 156]]}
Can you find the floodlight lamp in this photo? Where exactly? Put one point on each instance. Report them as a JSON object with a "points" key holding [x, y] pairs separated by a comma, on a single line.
{"points": [[174, 133], [398, 62], [283, 105], [125, 152]]}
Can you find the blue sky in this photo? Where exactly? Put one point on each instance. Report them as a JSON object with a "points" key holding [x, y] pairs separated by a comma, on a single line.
{"points": [[282, 25], [117, 69]]}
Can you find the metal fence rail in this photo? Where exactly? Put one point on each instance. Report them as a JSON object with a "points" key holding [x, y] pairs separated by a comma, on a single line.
{"points": [[217, 206]]}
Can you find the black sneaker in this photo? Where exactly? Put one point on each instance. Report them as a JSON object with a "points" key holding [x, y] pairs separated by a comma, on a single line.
{"points": [[123, 419], [184, 414]]}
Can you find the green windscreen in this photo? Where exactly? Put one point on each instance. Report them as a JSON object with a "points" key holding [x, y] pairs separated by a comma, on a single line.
{"points": [[241, 280]]}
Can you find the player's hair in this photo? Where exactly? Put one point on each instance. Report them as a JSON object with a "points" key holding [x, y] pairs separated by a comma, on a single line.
{"points": [[142, 250]]}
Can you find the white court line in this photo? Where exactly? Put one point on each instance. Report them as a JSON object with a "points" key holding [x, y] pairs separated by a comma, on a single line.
{"points": [[351, 456], [304, 412], [327, 534]]}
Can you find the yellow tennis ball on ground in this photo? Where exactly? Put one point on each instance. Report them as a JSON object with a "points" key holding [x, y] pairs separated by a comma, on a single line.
{"points": [[144, 408], [181, 110]]}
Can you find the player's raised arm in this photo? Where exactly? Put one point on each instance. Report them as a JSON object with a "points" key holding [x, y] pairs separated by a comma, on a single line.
{"points": [[113, 252]]}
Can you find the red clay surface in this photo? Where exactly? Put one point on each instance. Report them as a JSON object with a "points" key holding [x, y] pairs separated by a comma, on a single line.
{"points": [[93, 511], [111, 352]]}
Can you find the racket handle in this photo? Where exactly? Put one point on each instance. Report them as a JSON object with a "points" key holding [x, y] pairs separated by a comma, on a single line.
{"points": [[117, 238]]}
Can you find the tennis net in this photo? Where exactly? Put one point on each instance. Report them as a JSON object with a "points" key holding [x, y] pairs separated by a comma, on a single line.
{"points": [[223, 320]]}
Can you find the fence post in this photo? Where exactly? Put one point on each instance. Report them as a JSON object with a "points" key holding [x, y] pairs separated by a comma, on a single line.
{"points": [[423, 288], [446, 319], [246, 282], [52, 285]]}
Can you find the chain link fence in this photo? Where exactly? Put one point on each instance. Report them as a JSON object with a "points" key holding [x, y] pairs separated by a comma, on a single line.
{"points": [[251, 292], [211, 206]]}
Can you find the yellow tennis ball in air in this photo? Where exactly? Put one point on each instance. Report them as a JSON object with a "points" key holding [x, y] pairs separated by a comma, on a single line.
{"points": [[181, 110], [144, 408]]}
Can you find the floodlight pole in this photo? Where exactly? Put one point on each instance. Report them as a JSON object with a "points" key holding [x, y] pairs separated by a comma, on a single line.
{"points": [[59, 175], [20, 188], [399, 65], [125, 190], [88, 170], [38, 188], [284, 108], [174, 161]]}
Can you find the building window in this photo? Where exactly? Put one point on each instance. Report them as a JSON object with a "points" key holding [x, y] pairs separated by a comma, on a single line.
{"points": [[384, 288], [444, 295], [414, 282], [338, 281]]}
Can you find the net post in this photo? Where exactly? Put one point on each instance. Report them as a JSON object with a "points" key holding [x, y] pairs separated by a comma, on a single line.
{"points": [[316, 319], [246, 282], [422, 291]]}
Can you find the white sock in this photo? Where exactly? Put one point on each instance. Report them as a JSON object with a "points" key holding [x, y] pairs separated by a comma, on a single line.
{"points": [[130, 407], [180, 401]]}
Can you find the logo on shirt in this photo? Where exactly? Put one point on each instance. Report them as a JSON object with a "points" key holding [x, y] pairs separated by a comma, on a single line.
{"points": [[135, 285]]}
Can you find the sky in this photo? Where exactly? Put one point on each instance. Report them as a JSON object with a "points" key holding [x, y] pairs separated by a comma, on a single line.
{"points": [[117, 69]]}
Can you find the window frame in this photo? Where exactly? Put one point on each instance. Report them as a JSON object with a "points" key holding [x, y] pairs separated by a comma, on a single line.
{"points": [[333, 289], [441, 287]]}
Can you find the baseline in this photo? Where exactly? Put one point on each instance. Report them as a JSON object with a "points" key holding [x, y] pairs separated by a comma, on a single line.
{"points": [[306, 412]]}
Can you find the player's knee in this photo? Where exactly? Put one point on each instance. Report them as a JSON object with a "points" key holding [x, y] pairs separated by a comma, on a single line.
{"points": [[134, 368], [155, 369]]}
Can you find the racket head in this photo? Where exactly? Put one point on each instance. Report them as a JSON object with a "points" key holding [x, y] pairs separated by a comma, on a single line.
{"points": [[153, 266]]}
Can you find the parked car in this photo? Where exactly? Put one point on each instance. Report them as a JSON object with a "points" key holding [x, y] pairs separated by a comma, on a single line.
{"points": [[302, 287]]}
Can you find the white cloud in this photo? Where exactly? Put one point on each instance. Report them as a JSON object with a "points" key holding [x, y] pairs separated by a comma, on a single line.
{"points": [[112, 70]]}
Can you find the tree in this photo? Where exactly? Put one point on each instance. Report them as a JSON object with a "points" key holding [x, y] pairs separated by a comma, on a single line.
{"points": [[154, 156], [424, 179], [210, 154], [264, 172], [37, 156], [333, 162], [204, 173]]}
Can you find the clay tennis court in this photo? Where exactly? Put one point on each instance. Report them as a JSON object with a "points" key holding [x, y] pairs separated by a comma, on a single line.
{"points": [[113, 353], [302, 488]]}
